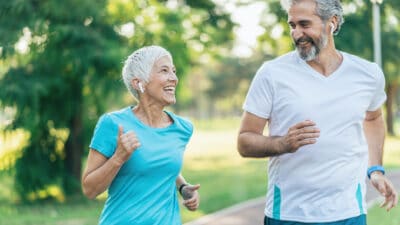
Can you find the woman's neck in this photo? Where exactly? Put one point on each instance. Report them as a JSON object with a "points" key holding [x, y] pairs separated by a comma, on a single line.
{"points": [[152, 116]]}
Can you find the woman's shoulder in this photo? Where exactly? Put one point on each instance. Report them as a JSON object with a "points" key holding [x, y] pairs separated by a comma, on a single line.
{"points": [[113, 118], [117, 113], [181, 121]]}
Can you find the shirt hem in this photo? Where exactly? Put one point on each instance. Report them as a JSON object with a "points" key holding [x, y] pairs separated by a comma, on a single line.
{"points": [[315, 220]]}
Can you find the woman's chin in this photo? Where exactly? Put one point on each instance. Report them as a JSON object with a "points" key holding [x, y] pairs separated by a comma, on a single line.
{"points": [[170, 101]]}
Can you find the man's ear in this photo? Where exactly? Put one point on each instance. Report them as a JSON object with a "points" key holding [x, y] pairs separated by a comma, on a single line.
{"points": [[333, 24]]}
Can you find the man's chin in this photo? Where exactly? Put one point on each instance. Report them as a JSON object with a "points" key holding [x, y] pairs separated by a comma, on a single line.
{"points": [[306, 56]]}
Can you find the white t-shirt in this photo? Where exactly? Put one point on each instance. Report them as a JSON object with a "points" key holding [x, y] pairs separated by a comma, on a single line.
{"points": [[325, 181]]}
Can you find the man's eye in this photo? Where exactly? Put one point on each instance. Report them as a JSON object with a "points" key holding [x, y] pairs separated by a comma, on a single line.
{"points": [[305, 25]]}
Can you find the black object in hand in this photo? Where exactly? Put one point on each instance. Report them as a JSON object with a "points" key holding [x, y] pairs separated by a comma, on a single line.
{"points": [[186, 193]]}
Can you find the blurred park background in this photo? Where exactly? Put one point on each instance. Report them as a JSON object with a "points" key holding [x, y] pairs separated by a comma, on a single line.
{"points": [[60, 65]]}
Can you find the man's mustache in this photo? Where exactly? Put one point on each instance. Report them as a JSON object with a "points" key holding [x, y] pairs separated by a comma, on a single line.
{"points": [[304, 39]]}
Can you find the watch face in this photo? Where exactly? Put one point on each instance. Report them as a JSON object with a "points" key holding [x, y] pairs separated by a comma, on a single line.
{"points": [[375, 168], [186, 194]]}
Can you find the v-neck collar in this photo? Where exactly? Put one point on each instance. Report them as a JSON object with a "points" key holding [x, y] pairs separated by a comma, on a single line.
{"points": [[319, 75]]}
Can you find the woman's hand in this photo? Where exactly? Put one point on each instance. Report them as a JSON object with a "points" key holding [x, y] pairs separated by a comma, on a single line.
{"points": [[126, 144], [191, 196]]}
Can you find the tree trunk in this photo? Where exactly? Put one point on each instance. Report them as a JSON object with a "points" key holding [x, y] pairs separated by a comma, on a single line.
{"points": [[391, 91], [73, 152]]}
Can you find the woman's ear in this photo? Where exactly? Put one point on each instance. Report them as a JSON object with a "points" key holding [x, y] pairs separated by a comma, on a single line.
{"points": [[140, 87], [137, 84]]}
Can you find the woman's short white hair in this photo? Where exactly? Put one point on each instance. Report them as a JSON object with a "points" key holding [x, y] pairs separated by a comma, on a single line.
{"points": [[139, 64]]}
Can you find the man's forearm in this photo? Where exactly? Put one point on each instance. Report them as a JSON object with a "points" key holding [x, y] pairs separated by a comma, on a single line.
{"points": [[259, 146], [375, 134]]}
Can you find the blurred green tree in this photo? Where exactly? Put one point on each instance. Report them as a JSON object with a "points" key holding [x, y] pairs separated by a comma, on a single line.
{"points": [[54, 50], [62, 63], [229, 79], [192, 30]]}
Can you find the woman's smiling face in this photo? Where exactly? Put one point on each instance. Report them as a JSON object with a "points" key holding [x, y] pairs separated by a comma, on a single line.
{"points": [[163, 81]]}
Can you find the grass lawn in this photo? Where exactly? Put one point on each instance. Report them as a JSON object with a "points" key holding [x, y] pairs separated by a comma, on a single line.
{"points": [[211, 160], [79, 212], [379, 216], [226, 178]]}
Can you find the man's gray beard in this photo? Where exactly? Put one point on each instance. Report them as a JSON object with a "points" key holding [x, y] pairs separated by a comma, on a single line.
{"points": [[314, 51], [310, 55]]}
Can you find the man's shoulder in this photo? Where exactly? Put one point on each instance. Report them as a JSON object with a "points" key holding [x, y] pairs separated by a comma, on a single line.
{"points": [[357, 60], [281, 62], [364, 66], [288, 58]]}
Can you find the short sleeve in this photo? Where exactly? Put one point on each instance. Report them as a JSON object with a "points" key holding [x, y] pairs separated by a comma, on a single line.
{"points": [[187, 127], [104, 138], [379, 96], [259, 97], [184, 126]]}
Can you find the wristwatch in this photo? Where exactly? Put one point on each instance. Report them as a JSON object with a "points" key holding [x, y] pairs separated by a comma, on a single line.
{"points": [[375, 168]]}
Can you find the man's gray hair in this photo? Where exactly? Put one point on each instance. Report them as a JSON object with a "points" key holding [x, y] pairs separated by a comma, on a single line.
{"points": [[325, 9], [139, 64]]}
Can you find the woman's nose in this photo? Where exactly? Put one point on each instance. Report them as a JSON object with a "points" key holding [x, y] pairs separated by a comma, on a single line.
{"points": [[172, 76]]}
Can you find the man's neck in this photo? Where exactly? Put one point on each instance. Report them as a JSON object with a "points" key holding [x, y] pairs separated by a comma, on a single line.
{"points": [[327, 61]]}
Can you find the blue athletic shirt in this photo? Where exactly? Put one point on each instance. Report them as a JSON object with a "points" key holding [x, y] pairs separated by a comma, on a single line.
{"points": [[144, 190]]}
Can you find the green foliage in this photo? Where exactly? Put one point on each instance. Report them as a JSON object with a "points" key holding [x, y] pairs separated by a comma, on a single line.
{"points": [[356, 35], [46, 83], [229, 81], [189, 30]]}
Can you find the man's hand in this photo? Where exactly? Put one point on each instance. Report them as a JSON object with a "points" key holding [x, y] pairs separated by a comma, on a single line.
{"points": [[386, 188], [303, 133]]}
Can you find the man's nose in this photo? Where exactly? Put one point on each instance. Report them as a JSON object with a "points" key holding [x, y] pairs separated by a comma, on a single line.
{"points": [[297, 33]]}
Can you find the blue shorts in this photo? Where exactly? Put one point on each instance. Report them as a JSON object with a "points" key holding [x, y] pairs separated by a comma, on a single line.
{"points": [[358, 220]]}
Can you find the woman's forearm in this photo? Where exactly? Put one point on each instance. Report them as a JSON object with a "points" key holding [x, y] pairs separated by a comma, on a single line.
{"points": [[98, 180]]}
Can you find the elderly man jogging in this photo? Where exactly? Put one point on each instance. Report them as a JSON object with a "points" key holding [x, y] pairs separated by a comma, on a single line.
{"points": [[326, 131]]}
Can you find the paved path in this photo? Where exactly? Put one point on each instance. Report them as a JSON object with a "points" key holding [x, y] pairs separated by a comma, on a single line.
{"points": [[251, 212]]}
